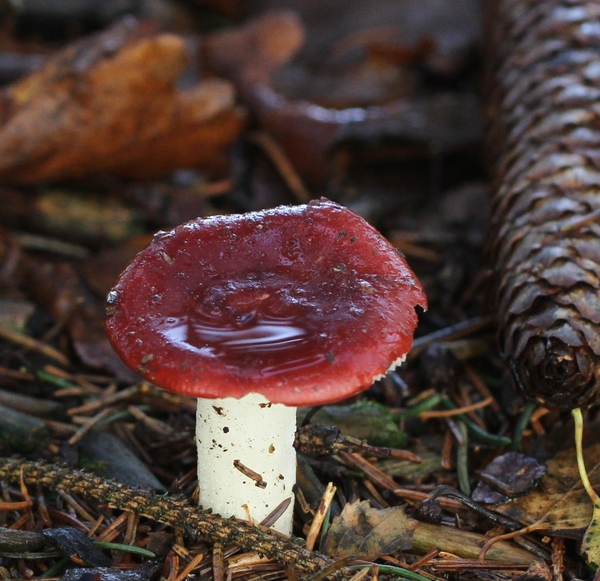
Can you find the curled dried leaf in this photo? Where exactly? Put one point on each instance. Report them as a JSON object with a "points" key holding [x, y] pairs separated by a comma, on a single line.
{"points": [[109, 103], [369, 533]]}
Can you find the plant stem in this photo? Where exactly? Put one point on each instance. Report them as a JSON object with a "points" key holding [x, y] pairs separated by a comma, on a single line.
{"points": [[577, 417]]}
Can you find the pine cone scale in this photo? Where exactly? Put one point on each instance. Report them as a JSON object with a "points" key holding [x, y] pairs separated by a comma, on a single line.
{"points": [[544, 236]]}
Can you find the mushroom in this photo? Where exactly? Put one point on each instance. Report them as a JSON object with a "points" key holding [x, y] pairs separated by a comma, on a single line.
{"points": [[254, 315]]}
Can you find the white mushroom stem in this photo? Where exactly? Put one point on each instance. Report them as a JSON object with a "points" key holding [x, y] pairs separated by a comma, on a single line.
{"points": [[246, 457]]}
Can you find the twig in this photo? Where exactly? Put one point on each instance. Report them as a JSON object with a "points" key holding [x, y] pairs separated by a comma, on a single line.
{"points": [[284, 166], [324, 505], [218, 563], [172, 511], [474, 429], [456, 412], [89, 426], [457, 331], [111, 399], [314, 440], [34, 345]]}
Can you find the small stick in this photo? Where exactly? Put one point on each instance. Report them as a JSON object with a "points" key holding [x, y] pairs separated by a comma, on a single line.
{"points": [[558, 558], [375, 572], [376, 475], [43, 507], [69, 381], [172, 566], [282, 163], [193, 564], [34, 345], [464, 564], [424, 560], [63, 320], [481, 386], [273, 517], [373, 492], [113, 530], [536, 416], [155, 425], [175, 512], [217, 188], [457, 331], [317, 522], [131, 531], [46, 244], [447, 450], [81, 512], [331, 569], [456, 412], [462, 461], [218, 564], [102, 402], [89, 425], [14, 374], [16, 505], [258, 479], [360, 575]]}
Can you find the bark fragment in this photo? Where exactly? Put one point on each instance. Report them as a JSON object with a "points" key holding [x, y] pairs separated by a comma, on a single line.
{"points": [[544, 236]]}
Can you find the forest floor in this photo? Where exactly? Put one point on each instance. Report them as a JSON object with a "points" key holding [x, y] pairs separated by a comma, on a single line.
{"points": [[195, 109]]}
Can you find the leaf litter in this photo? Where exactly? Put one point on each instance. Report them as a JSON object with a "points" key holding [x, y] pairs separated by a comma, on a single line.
{"points": [[369, 533], [104, 144]]}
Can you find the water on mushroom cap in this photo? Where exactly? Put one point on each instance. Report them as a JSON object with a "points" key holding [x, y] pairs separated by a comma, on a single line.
{"points": [[266, 323]]}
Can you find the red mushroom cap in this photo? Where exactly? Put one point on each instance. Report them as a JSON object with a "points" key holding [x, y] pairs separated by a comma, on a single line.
{"points": [[305, 305]]}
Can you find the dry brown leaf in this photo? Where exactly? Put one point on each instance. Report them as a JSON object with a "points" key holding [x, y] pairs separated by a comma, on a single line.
{"points": [[109, 104], [369, 533], [560, 503], [299, 109], [257, 48], [590, 545], [102, 269], [58, 289]]}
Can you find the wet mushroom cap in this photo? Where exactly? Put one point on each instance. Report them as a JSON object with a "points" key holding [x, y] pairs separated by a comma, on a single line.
{"points": [[303, 304]]}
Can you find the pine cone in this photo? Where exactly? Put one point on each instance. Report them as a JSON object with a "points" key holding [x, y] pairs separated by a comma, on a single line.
{"points": [[543, 81]]}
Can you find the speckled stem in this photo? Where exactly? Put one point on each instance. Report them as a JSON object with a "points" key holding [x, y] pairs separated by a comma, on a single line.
{"points": [[246, 458], [173, 511]]}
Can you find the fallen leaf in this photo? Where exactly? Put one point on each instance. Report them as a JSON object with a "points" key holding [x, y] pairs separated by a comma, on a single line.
{"points": [[509, 475], [590, 545], [369, 533], [14, 314], [58, 289], [102, 269], [380, 100], [363, 420], [81, 217], [560, 503], [257, 48], [537, 571], [109, 104]]}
